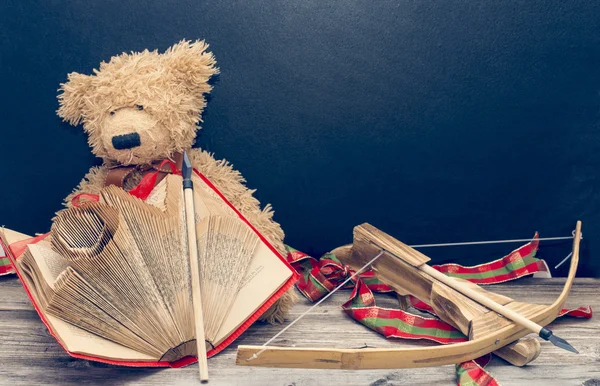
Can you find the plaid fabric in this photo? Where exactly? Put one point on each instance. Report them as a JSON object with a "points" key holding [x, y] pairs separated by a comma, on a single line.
{"points": [[320, 276], [472, 373], [581, 312], [394, 323], [520, 262], [5, 266]]}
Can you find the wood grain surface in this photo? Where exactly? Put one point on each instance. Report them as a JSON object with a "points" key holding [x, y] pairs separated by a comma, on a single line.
{"points": [[30, 356]]}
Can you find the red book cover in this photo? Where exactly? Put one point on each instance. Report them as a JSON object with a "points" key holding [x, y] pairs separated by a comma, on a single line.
{"points": [[15, 249]]}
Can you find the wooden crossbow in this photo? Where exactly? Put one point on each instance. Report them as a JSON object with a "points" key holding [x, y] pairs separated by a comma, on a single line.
{"points": [[401, 268]]}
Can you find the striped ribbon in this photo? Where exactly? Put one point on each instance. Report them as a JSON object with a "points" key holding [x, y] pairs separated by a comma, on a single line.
{"points": [[5, 266]]}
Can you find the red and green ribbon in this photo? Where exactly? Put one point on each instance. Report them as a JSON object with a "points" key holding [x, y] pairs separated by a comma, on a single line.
{"points": [[318, 277], [5, 266], [395, 323], [473, 373], [520, 262]]}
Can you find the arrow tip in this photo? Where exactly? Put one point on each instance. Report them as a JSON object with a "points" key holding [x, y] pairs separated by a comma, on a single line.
{"points": [[186, 169], [560, 342]]}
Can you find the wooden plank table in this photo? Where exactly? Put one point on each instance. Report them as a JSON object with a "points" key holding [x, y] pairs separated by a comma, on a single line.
{"points": [[30, 356]]}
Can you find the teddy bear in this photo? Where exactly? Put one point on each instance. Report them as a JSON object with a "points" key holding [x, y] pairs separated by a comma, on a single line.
{"points": [[141, 108]]}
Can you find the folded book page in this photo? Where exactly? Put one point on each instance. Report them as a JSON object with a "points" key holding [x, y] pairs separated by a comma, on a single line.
{"points": [[112, 281]]}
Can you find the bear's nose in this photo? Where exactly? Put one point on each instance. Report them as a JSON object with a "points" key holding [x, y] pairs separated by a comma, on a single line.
{"points": [[126, 141]]}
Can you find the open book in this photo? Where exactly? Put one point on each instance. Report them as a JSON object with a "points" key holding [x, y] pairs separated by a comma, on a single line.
{"points": [[112, 280]]}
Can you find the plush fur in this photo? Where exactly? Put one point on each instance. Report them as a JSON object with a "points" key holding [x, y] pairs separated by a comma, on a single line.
{"points": [[145, 106]]}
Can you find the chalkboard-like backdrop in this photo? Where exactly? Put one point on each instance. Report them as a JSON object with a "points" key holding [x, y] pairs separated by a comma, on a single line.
{"points": [[433, 120]]}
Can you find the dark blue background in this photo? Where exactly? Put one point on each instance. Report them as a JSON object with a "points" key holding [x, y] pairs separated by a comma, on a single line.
{"points": [[433, 120]]}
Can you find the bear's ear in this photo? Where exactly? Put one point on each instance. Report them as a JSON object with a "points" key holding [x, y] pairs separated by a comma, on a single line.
{"points": [[72, 99], [192, 63]]}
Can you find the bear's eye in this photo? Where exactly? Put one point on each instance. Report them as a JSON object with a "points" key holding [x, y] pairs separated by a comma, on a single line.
{"points": [[112, 113], [139, 107]]}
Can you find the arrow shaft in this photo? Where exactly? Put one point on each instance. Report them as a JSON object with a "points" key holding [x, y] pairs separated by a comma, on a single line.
{"points": [[481, 299]]}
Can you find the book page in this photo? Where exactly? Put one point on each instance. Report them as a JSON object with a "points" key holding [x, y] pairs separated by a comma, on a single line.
{"points": [[207, 202], [73, 339], [79, 341], [49, 263], [266, 274], [158, 195]]}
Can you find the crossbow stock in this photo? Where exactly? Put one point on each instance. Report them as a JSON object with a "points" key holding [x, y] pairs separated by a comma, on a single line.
{"points": [[398, 267]]}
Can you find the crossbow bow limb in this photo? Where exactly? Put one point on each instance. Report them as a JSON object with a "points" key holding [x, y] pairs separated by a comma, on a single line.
{"points": [[398, 268]]}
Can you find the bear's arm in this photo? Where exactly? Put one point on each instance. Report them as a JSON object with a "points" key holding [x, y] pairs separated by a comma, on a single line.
{"points": [[92, 183]]}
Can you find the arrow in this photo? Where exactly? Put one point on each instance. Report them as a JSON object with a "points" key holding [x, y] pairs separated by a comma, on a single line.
{"points": [[188, 191], [543, 332]]}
